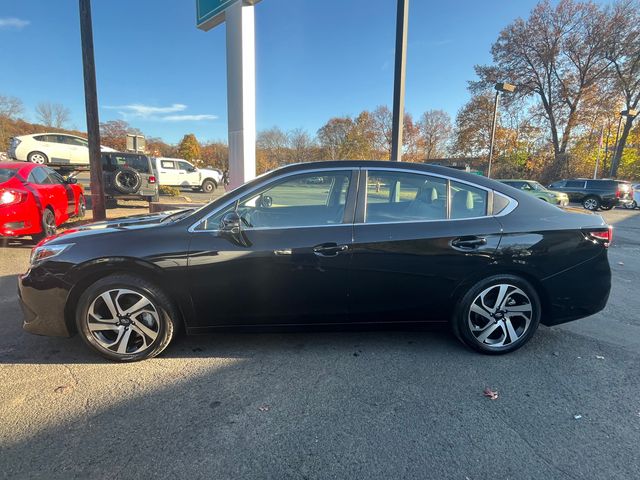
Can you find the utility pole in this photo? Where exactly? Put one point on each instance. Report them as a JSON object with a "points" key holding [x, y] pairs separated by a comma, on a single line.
{"points": [[499, 87], [91, 105], [402, 27], [595, 171]]}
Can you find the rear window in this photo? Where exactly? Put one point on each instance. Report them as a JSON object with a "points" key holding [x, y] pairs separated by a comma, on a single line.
{"points": [[139, 163], [7, 173]]}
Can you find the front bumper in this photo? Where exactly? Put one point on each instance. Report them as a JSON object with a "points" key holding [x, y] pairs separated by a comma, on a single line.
{"points": [[42, 299]]}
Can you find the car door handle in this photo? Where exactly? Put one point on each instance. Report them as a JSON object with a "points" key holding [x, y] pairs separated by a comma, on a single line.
{"points": [[468, 243], [329, 249], [283, 251]]}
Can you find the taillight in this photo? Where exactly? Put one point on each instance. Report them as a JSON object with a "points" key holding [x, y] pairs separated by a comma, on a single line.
{"points": [[11, 197], [152, 179], [604, 236]]}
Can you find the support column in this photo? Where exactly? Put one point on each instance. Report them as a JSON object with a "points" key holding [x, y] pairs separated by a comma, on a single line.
{"points": [[241, 92]]}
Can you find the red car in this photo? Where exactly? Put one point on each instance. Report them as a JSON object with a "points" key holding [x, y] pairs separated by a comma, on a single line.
{"points": [[35, 200]]}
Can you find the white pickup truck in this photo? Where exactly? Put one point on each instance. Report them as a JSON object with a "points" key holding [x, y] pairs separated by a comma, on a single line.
{"points": [[176, 172]]}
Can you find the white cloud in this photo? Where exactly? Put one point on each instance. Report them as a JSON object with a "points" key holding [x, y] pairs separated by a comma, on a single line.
{"points": [[138, 110], [12, 22], [159, 114], [188, 118]]}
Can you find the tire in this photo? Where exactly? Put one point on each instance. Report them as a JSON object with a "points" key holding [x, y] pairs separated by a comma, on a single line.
{"points": [[48, 223], [472, 321], [631, 206], [126, 180], [609, 207], [153, 198], [591, 203], [150, 328], [38, 158], [208, 186], [82, 207]]}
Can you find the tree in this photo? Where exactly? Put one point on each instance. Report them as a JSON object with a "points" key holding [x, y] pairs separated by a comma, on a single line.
{"points": [[189, 148], [557, 55], [274, 144], [335, 138], [10, 108], [114, 134], [624, 53], [215, 154], [53, 115], [302, 147], [435, 130], [382, 121]]}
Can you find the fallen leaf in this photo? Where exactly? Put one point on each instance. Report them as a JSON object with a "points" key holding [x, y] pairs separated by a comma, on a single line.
{"points": [[577, 417], [491, 394], [599, 357], [63, 389], [263, 408], [620, 263]]}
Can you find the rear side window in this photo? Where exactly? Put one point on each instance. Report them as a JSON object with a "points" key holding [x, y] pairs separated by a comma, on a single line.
{"points": [[39, 176], [405, 197], [467, 201], [557, 185], [6, 174], [574, 184], [167, 164]]}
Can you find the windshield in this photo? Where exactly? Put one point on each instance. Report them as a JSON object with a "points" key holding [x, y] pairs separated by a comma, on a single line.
{"points": [[6, 174], [537, 186]]}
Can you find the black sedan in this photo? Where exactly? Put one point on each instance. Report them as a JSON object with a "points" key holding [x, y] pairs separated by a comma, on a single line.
{"points": [[372, 243]]}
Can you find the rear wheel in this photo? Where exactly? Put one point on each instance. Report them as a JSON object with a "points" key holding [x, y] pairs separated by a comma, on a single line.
{"points": [[591, 203], [38, 158], [49, 227], [631, 205], [498, 315], [125, 318]]}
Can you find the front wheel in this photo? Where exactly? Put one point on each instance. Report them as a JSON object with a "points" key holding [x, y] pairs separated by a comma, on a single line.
{"points": [[208, 186], [631, 206], [498, 315], [125, 318]]}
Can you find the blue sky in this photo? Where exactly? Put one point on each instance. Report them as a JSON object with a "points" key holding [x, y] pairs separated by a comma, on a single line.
{"points": [[315, 59]]}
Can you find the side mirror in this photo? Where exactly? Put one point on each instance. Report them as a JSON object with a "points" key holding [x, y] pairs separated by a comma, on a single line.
{"points": [[71, 180], [266, 201], [231, 223], [193, 169]]}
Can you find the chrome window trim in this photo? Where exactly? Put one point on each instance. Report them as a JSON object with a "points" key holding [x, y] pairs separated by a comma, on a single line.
{"points": [[511, 206], [192, 228]]}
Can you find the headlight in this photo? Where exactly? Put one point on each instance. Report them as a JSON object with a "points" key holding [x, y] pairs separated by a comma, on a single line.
{"points": [[44, 252]]}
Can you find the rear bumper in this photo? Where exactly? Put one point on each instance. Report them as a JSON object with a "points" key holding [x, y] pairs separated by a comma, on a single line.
{"points": [[43, 304], [15, 222], [578, 292]]}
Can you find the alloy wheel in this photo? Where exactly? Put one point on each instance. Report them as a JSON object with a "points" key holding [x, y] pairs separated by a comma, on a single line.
{"points": [[123, 321], [591, 204], [500, 315], [37, 158], [49, 223]]}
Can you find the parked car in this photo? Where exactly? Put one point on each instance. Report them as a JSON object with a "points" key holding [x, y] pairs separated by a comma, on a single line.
{"points": [[35, 200], [51, 148], [418, 244], [537, 190], [129, 175], [175, 172], [636, 197], [595, 194]]}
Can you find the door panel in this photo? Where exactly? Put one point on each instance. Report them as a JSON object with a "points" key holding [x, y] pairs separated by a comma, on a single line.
{"points": [[407, 272], [287, 261], [277, 279]]}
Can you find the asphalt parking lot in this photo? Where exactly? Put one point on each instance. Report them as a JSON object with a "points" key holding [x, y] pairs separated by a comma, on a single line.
{"points": [[330, 405]]}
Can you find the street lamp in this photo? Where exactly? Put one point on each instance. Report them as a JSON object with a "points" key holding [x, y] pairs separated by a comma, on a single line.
{"points": [[500, 87]]}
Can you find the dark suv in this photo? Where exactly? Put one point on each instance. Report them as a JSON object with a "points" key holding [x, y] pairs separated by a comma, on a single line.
{"points": [[595, 194], [129, 175]]}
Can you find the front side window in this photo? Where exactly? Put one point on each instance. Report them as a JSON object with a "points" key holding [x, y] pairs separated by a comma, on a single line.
{"points": [[187, 167], [304, 200], [405, 197]]}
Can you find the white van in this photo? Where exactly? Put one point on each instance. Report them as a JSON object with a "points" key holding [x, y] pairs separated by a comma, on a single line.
{"points": [[176, 172]]}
